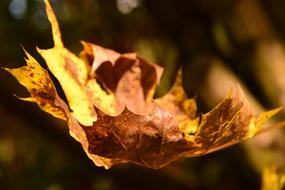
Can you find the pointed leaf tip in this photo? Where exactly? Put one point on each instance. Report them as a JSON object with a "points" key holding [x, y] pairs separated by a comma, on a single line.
{"points": [[54, 25]]}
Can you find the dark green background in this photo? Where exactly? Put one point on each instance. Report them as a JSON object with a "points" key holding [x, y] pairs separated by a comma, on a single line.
{"points": [[36, 151]]}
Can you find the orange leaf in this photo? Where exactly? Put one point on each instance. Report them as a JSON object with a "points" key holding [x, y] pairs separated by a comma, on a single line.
{"points": [[111, 110]]}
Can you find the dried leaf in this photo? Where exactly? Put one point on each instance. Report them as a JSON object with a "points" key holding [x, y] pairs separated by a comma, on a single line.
{"points": [[112, 112], [72, 74], [130, 78], [184, 109], [40, 86]]}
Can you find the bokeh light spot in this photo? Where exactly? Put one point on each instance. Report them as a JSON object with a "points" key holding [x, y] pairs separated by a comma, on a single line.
{"points": [[127, 6], [18, 8]]}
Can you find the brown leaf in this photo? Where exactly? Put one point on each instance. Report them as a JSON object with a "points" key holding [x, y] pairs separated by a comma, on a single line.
{"points": [[150, 140], [113, 115], [155, 140], [130, 77]]}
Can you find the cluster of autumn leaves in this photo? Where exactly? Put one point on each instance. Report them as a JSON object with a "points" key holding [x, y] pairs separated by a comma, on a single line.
{"points": [[112, 113]]}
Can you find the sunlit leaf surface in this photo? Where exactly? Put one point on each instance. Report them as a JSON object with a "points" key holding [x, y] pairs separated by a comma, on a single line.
{"points": [[112, 113]]}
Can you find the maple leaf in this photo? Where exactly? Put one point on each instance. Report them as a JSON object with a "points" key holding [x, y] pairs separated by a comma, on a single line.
{"points": [[112, 113]]}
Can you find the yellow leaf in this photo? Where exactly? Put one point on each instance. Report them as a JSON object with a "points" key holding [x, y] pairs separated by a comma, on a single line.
{"points": [[112, 112], [72, 74], [40, 86]]}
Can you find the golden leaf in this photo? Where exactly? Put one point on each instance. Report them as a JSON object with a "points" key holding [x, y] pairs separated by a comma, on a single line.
{"points": [[113, 115], [40, 86]]}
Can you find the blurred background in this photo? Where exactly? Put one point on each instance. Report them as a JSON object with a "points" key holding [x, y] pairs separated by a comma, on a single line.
{"points": [[218, 43]]}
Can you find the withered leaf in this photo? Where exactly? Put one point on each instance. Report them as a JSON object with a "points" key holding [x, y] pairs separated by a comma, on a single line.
{"points": [[40, 86], [112, 113]]}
